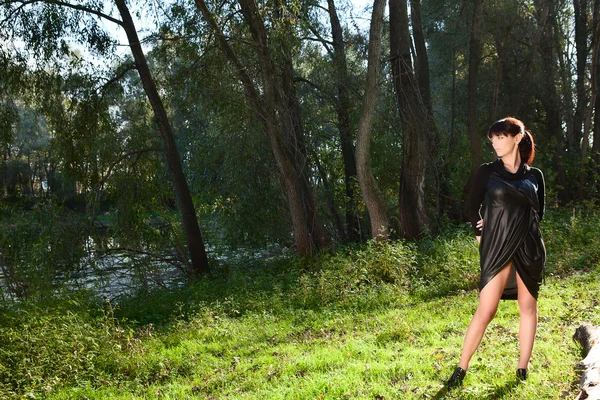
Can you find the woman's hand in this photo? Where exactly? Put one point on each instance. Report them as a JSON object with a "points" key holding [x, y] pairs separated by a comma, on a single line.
{"points": [[479, 224]]}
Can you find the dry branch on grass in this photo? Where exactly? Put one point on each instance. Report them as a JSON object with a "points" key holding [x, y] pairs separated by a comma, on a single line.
{"points": [[589, 337]]}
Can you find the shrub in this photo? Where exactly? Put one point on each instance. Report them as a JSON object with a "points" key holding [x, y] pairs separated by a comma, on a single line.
{"points": [[446, 264], [572, 238], [38, 246]]}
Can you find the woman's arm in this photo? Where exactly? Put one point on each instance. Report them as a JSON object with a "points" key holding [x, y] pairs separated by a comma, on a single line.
{"points": [[475, 197]]}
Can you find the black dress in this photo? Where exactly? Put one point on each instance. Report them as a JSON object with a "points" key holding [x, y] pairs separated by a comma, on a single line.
{"points": [[513, 205]]}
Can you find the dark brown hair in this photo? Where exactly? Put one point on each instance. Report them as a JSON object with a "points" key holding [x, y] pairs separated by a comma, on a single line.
{"points": [[513, 127]]}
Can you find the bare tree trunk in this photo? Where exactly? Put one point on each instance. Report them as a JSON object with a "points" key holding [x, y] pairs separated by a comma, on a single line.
{"points": [[436, 173], [368, 186], [199, 264], [415, 123], [565, 72], [580, 8], [498, 80], [343, 107], [422, 72], [501, 40], [550, 99], [596, 145], [587, 124], [472, 115], [589, 338], [474, 59]]}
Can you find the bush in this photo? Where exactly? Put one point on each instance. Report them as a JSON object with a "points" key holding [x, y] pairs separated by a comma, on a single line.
{"points": [[447, 264], [45, 349], [572, 238], [38, 246], [352, 272]]}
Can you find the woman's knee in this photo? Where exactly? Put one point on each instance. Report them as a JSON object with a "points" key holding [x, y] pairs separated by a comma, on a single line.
{"points": [[528, 307], [485, 313]]}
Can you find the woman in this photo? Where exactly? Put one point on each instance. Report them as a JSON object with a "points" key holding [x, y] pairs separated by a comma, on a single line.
{"points": [[511, 249]]}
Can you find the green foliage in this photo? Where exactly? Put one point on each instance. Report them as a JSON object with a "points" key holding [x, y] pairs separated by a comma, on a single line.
{"points": [[382, 319], [48, 348], [346, 276], [571, 237], [39, 246], [447, 263]]}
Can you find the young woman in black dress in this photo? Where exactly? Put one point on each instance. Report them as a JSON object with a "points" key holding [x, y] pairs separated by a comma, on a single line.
{"points": [[512, 252]]}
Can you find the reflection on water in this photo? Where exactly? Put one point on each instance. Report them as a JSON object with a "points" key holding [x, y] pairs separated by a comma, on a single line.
{"points": [[110, 271]]}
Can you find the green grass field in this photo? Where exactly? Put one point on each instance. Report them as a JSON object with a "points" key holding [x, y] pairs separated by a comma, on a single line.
{"points": [[370, 322]]}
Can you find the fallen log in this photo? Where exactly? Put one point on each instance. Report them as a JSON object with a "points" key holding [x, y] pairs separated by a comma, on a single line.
{"points": [[589, 338]]}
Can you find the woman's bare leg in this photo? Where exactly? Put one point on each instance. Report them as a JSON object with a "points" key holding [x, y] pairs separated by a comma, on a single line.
{"points": [[486, 310], [528, 322]]}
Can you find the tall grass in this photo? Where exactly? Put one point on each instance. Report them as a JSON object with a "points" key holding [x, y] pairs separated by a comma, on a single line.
{"points": [[377, 321]]}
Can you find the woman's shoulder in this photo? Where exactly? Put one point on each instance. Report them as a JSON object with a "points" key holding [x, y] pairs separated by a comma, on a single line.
{"points": [[487, 166], [485, 169], [536, 171]]}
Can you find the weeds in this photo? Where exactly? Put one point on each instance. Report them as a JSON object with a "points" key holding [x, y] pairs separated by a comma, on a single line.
{"points": [[379, 321]]}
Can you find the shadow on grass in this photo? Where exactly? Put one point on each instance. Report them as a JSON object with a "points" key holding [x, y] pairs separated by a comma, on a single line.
{"points": [[502, 391], [232, 289], [498, 393]]}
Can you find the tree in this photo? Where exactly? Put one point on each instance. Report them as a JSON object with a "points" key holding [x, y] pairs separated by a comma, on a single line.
{"points": [[472, 116], [596, 140], [366, 180], [278, 110], [199, 264], [343, 106], [49, 39], [416, 124], [550, 100]]}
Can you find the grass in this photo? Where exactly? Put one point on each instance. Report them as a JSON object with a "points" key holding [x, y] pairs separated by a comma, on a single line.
{"points": [[371, 322]]}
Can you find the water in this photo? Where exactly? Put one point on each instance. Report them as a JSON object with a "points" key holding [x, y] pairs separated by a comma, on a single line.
{"points": [[110, 274]]}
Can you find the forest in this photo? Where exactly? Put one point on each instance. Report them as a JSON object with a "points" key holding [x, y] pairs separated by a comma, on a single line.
{"points": [[191, 168]]}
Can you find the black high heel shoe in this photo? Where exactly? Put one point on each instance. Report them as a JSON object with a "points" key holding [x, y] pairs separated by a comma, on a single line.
{"points": [[522, 374], [456, 379]]}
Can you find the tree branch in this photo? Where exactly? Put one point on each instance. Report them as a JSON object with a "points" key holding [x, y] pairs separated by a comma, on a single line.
{"points": [[118, 77], [124, 156], [240, 69], [319, 38], [68, 5]]}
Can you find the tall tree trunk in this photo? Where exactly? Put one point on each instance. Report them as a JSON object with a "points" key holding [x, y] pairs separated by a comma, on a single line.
{"points": [[498, 81], [277, 109], [501, 38], [596, 145], [199, 264], [415, 125], [343, 107], [584, 172], [368, 186], [545, 8], [422, 72], [292, 122], [474, 59], [437, 174], [580, 8], [550, 99]]}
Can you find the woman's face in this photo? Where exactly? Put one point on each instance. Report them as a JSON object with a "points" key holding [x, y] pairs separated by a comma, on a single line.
{"points": [[505, 144]]}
